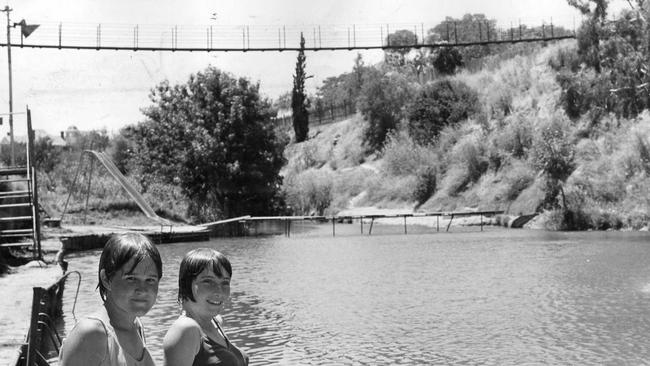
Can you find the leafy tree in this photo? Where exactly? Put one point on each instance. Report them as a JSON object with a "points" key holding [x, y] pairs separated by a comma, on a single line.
{"points": [[299, 98], [338, 90], [437, 105], [381, 102], [212, 136], [283, 101], [616, 55], [402, 37], [447, 59], [469, 28], [120, 152]]}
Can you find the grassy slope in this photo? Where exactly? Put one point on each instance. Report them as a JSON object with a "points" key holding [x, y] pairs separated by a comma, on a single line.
{"points": [[516, 96]]}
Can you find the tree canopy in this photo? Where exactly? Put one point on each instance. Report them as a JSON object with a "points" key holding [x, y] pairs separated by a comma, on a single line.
{"points": [[212, 136]]}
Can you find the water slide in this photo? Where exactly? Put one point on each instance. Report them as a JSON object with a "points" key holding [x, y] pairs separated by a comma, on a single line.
{"points": [[119, 177]]}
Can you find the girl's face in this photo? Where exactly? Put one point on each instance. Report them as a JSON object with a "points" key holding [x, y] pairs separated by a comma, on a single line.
{"points": [[210, 291], [134, 289]]}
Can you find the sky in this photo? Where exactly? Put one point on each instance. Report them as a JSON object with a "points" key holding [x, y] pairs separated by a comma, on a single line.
{"points": [[106, 89]]}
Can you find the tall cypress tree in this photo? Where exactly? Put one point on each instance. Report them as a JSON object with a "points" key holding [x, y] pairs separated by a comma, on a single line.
{"points": [[298, 97]]}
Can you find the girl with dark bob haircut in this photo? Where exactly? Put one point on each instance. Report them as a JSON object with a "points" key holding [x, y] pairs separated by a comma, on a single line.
{"points": [[197, 338], [194, 263], [130, 269], [120, 249]]}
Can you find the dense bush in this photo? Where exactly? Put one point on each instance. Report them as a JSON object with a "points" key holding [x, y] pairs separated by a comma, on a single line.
{"points": [[447, 59], [402, 156], [438, 104], [309, 192], [425, 184], [553, 153], [515, 137], [381, 101]]}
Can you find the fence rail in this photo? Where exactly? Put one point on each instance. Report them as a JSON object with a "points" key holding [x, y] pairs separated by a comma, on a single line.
{"points": [[320, 116]]}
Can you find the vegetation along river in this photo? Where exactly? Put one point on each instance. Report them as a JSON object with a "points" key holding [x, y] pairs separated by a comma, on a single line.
{"points": [[493, 297]]}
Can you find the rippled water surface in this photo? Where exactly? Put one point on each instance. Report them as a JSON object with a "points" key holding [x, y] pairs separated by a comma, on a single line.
{"points": [[494, 297]]}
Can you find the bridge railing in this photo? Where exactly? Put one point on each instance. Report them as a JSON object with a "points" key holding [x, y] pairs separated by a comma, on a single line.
{"points": [[270, 37]]}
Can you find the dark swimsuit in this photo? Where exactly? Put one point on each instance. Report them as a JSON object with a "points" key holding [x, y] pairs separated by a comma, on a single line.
{"points": [[212, 353]]}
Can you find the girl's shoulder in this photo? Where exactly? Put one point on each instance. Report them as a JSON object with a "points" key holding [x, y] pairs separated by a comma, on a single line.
{"points": [[87, 341], [184, 328], [90, 329], [186, 323], [182, 341]]}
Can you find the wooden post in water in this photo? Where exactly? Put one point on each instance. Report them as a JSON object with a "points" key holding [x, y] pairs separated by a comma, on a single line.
{"points": [[372, 221], [450, 220], [405, 224], [437, 223], [333, 225], [481, 222], [361, 221]]}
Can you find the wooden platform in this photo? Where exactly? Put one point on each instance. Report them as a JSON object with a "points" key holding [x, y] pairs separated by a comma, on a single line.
{"points": [[87, 237]]}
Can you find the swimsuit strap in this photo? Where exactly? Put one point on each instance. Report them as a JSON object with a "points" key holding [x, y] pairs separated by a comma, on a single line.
{"points": [[225, 337]]}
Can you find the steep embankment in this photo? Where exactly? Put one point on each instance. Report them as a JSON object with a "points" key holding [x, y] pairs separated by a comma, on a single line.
{"points": [[485, 162]]}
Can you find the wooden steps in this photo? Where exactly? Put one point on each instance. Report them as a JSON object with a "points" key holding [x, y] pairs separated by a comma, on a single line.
{"points": [[16, 208]]}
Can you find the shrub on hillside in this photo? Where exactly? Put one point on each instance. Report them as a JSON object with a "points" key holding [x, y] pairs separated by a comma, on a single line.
{"points": [[553, 153], [425, 184], [384, 189], [438, 104], [348, 184], [520, 176], [471, 154], [447, 59], [515, 137], [309, 192], [402, 156], [565, 58], [585, 92], [448, 138]]}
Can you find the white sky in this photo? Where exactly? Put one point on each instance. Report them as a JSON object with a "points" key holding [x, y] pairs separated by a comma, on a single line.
{"points": [[106, 89]]}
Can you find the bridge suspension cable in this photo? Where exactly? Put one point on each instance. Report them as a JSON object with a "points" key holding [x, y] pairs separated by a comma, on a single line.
{"points": [[278, 38]]}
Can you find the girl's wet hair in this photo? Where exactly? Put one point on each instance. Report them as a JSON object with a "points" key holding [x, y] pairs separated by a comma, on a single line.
{"points": [[119, 249], [194, 263]]}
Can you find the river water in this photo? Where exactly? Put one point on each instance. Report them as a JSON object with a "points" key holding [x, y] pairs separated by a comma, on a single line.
{"points": [[497, 297]]}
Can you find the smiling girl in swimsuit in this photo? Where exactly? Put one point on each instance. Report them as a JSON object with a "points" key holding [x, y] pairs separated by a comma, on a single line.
{"points": [[196, 337]]}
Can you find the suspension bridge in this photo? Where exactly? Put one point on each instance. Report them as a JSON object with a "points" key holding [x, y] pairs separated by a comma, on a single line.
{"points": [[244, 38]]}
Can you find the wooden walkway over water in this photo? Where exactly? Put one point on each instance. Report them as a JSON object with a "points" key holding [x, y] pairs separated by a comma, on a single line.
{"points": [[287, 221]]}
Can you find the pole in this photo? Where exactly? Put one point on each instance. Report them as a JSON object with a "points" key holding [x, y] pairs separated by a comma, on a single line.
{"points": [[36, 222], [7, 10]]}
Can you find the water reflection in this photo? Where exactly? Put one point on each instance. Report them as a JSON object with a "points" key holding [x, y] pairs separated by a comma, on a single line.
{"points": [[497, 297]]}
